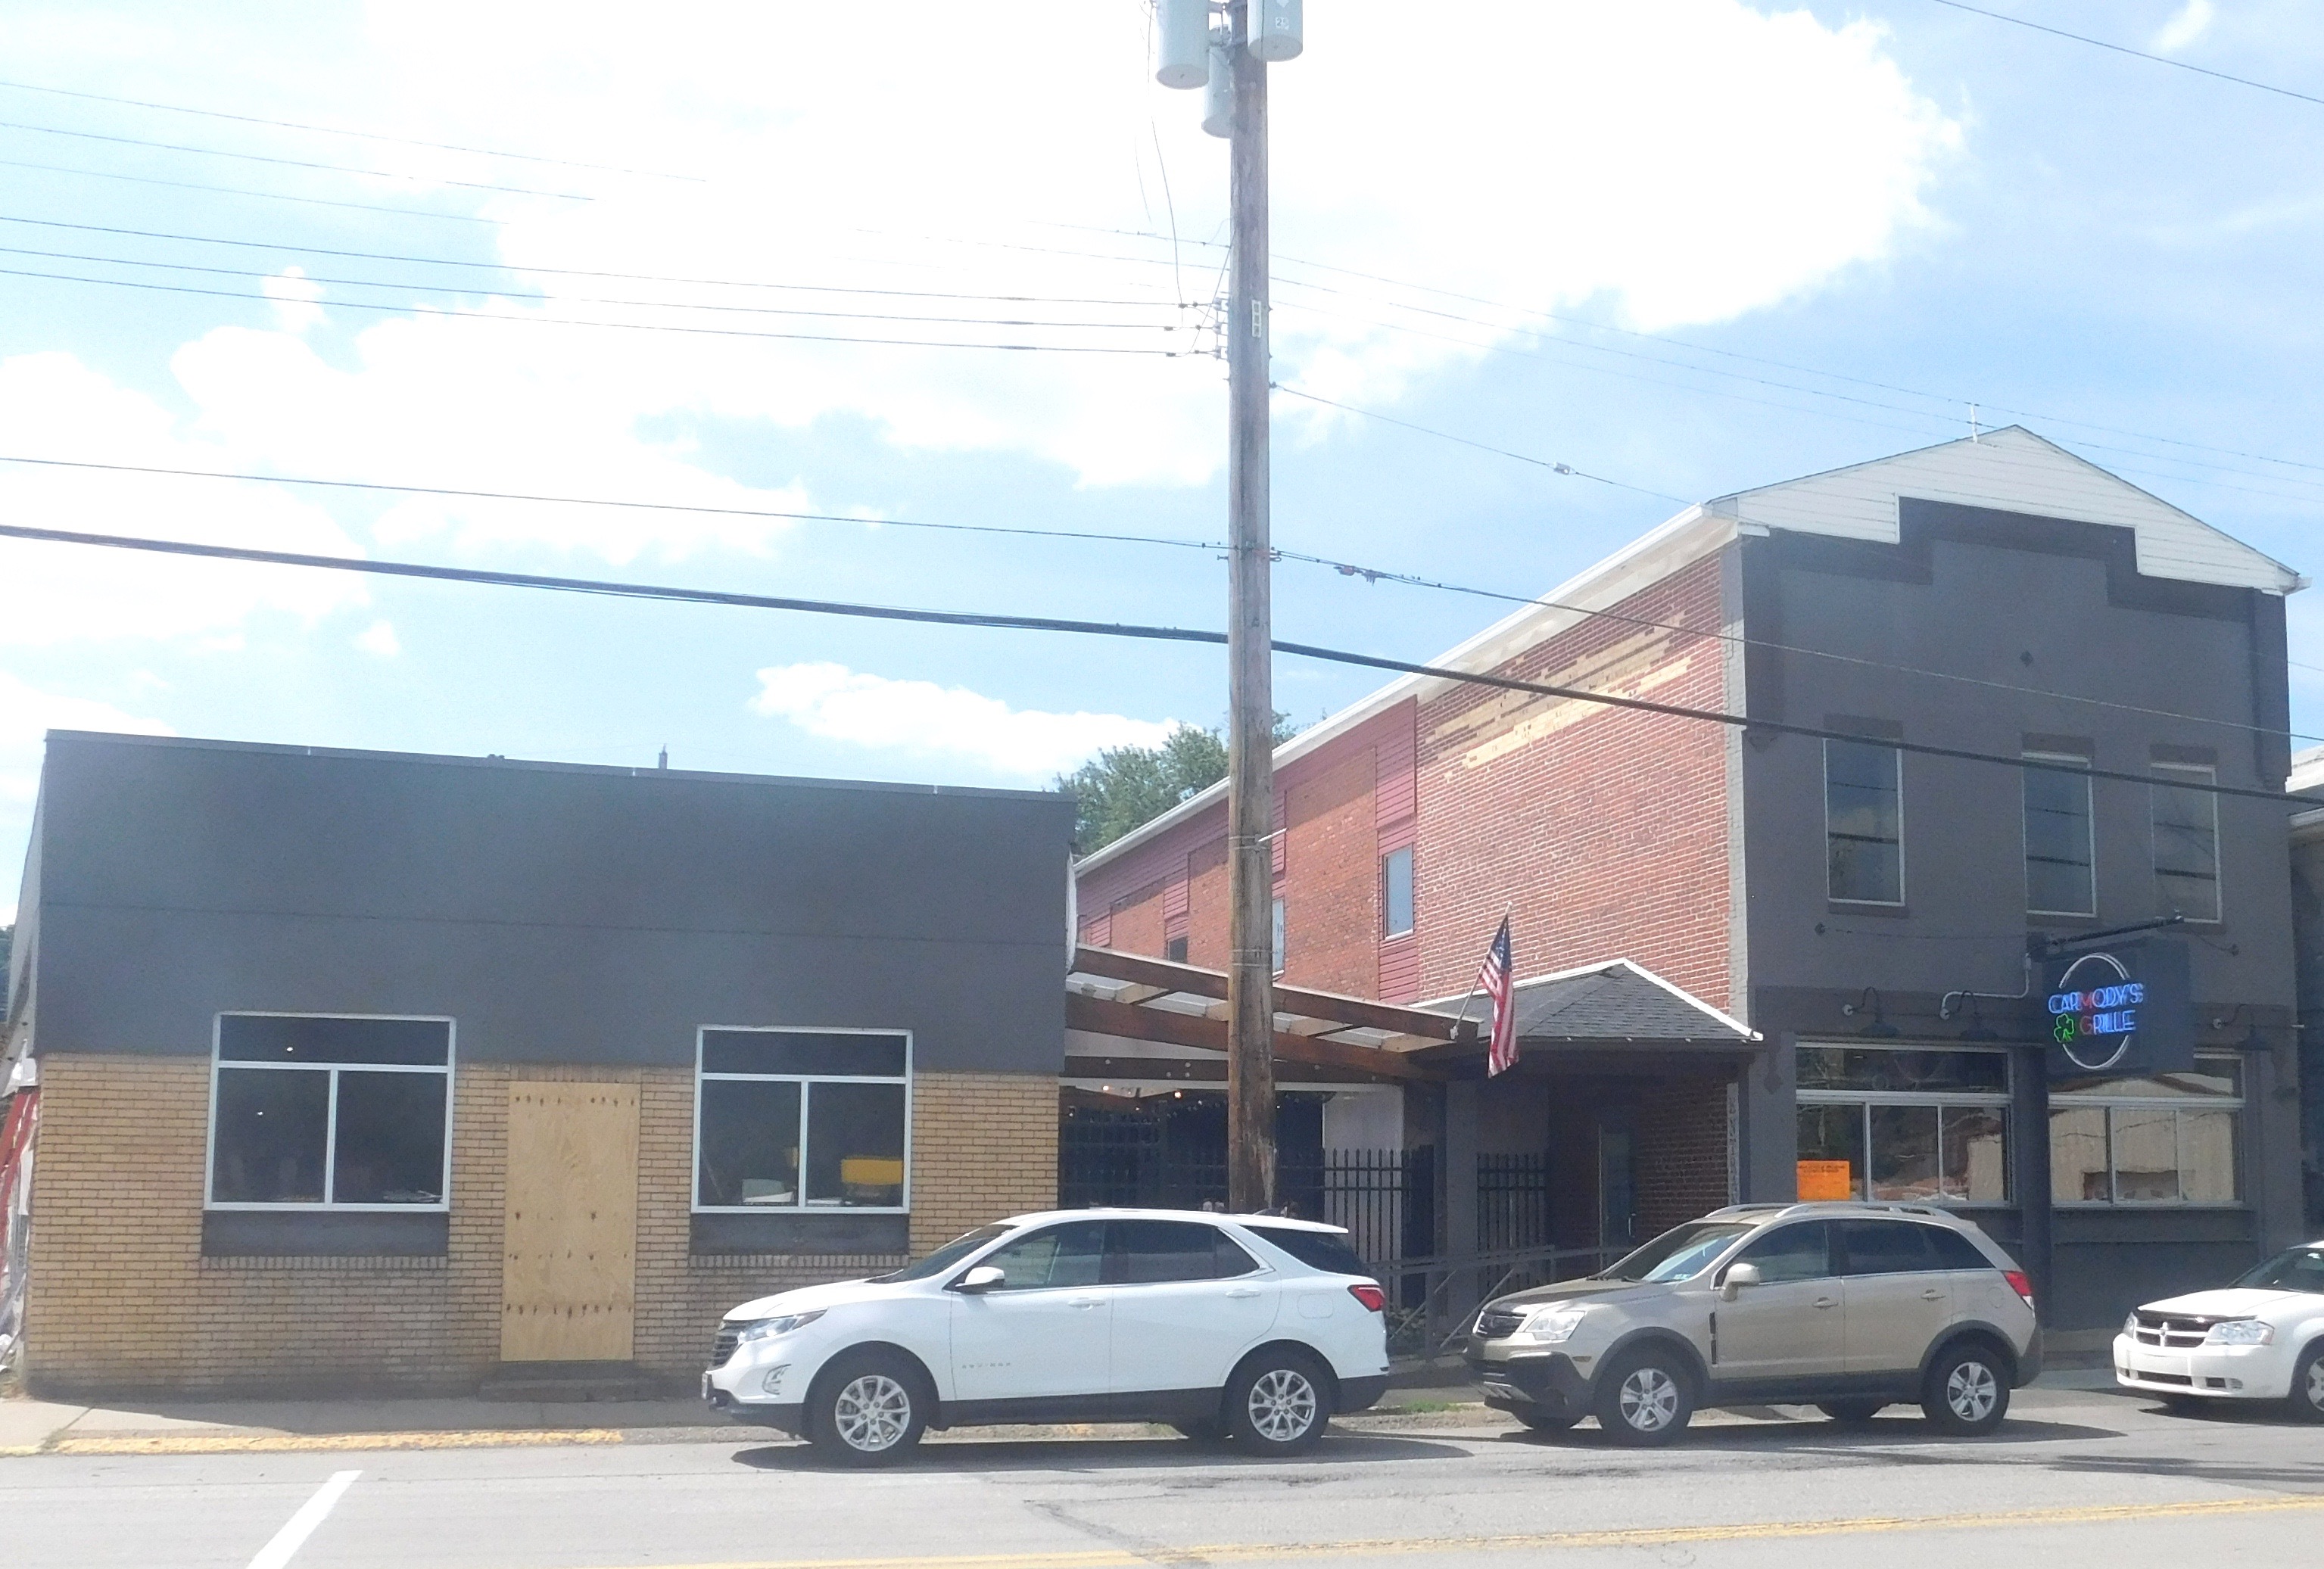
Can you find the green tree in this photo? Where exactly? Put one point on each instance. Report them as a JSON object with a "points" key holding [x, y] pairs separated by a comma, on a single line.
{"points": [[1125, 788]]}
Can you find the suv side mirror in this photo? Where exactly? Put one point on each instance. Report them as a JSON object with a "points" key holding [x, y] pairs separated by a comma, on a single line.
{"points": [[1737, 1275], [981, 1280]]}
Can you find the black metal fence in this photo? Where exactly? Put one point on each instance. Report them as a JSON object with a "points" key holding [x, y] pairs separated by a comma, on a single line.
{"points": [[1512, 1202]]}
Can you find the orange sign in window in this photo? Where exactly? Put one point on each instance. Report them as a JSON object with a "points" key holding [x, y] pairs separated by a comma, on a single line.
{"points": [[1826, 1179]]}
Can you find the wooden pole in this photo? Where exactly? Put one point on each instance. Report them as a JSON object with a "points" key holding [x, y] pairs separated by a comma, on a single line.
{"points": [[1251, 731]]}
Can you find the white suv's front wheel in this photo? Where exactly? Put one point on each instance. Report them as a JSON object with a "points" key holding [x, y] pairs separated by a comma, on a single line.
{"points": [[1277, 1403], [868, 1408]]}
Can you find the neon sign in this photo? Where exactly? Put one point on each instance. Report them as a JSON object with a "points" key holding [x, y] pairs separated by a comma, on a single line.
{"points": [[2095, 1025]]}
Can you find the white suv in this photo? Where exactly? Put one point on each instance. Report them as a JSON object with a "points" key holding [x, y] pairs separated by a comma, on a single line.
{"points": [[2259, 1339], [1247, 1327]]}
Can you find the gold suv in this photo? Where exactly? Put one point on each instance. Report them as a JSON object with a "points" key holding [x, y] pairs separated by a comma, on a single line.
{"points": [[1846, 1306]]}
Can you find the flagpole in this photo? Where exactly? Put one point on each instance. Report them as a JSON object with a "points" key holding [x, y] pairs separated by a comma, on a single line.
{"points": [[1461, 1017]]}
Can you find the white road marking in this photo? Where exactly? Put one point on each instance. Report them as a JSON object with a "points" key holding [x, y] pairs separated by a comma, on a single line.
{"points": [[300, 1526]]}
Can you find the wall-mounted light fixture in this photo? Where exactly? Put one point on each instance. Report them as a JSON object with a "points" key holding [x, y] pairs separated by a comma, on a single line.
{"points": [[1879, 1028]]}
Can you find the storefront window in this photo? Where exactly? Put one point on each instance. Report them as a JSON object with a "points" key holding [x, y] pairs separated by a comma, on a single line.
{"points": [[1903, 1124], [799, 1119], [312, 1111], [2170, 1139]]}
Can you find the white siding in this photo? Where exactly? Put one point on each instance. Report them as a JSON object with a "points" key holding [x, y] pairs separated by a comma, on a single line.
{"points": [[2012, 471]]}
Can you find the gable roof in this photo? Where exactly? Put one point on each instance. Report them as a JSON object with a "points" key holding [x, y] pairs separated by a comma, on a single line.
{"points": [[1614, 999], [2009, 470]]}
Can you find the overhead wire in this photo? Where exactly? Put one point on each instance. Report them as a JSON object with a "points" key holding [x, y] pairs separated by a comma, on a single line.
{"points": [[409, 212], [416, 287], [341, 131], [284, 163], [1344, 567], [2126, 49], [999, 622], [521, 267], [672, 327]]}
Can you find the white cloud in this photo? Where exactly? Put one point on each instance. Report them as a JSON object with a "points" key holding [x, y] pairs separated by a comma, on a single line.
{"points": [[2192, 21], [837, 704], [294, 295], [1665, 161], [379, 638], [53, 406]]}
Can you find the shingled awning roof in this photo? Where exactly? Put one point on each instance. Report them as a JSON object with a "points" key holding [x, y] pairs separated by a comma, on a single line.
{"points": [[1616, 1005]]}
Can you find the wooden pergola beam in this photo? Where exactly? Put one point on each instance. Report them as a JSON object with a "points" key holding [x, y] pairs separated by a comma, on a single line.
{"points": [[1097, 1016], [1351, 1012]]}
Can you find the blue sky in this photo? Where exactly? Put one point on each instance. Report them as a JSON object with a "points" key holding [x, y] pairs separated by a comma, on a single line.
{"points": [[1767, 240]]}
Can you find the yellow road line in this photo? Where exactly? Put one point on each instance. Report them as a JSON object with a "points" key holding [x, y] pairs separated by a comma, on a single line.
{"points": [[306, 1442], [1645, 1536]]}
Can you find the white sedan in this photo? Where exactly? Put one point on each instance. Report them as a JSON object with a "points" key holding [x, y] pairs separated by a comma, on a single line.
{"points": [[1252, 1328], [2259, 1339]]}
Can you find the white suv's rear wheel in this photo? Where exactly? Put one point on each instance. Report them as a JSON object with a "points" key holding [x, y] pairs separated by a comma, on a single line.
{"points": [[1277, 1403], [869, 1409]]}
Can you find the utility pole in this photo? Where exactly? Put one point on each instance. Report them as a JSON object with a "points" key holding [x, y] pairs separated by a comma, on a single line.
{"points": [[1232, 66], [1251, 675]]}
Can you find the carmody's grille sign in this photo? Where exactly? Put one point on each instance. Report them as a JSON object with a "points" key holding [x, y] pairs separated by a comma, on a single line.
{"points": [[2122, 1012]]}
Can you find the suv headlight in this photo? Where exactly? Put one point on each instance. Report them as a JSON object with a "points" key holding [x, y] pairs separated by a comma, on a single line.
{"points": [[2240, 1332], [769, 1328], [1555, 1325]]}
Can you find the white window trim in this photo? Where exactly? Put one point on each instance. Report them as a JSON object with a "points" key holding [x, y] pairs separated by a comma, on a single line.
{"points": [[331, 1113], [2089, 837], [693, 1176], [1904, 889], [2094, 1100], [1412, 893], [2199, 773]]}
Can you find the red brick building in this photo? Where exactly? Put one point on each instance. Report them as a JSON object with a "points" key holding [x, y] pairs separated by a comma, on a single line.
{"points": [[1849, 892]]}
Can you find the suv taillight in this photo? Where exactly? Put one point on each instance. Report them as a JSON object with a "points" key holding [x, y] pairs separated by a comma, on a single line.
{"points": [[2020, 1284], [1374, 1299]]}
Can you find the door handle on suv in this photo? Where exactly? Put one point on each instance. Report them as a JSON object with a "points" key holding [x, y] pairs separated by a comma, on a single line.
{"points": [[1933, 1295], [1245, 1294], [1085, 1302], [1824, 1301]]}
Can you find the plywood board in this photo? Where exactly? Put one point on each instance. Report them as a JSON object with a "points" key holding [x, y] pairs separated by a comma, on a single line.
{"points": [[568, 1267]]}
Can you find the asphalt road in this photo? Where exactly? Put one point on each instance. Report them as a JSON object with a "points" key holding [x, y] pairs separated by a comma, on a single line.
{"points": [[2074, 1479]]}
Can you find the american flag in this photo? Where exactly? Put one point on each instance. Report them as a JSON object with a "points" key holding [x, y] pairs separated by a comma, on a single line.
{"points": [[1493, 981]]}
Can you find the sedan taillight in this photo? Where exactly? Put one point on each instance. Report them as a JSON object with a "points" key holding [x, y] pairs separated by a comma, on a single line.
{"points": [[1374, 1299]]}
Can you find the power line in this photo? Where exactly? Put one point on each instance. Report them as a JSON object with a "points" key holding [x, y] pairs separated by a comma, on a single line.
{"points": [[616, 325], [2126, 49], [991, 621], [578, 299], [616, 504], [338, 131], [283, 162], [1345, 569], [408, 212], [516, 267]]}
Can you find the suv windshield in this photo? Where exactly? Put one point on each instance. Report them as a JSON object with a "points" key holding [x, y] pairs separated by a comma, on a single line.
{"points": [[1679, 1254], [945, 1257], [2294, 1270]]}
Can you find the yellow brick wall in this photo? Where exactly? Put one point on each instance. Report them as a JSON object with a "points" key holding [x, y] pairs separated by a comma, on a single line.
{"points": [[120, 1297]]}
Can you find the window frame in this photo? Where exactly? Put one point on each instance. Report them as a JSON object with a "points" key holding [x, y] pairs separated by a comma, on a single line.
{"points": [[1864, 1101], [2197, 773], [218, 1065], [693, 1174], [1281, 917], [1389, 930], [2090, 832], [2178, 1106], [1897, 763]]}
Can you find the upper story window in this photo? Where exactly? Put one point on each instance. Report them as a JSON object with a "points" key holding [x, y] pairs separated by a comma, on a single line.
{"points": [[1279, 937], [330, 1111], [1395, 892], [2186, 840], [790, 1118], [1863, 792], [2057, 879], [2166, 1139]]}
